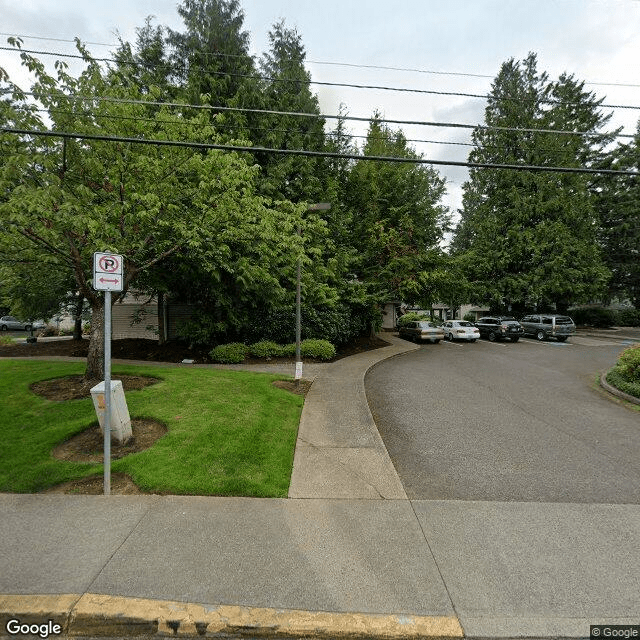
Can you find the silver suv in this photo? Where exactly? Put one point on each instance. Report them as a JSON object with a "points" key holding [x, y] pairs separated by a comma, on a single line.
{"points": [[544, 326]]}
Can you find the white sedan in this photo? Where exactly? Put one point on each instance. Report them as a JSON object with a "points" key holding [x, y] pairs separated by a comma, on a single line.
{"points": [[460, 330]]}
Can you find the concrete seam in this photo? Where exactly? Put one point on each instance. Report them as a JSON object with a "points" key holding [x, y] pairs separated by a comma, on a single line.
{"points": [[435, 561], [146, 512]]}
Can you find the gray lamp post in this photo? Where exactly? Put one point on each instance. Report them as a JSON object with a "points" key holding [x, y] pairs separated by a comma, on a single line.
{"points": [[320, 206]]}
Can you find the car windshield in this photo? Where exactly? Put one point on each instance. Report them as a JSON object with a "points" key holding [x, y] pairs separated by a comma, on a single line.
{"points": [[564, 320], [464, 324], [508, 320], [426, 325]]}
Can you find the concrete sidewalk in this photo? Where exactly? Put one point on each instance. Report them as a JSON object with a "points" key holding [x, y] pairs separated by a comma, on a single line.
{"points": [[347, 555]]}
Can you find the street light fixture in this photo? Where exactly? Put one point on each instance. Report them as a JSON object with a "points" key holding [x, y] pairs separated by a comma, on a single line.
{"points": [[319, 206]]}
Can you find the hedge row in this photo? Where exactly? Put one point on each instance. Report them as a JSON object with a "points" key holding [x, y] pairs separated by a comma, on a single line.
{"points": [[601, 318], [236, 352]]}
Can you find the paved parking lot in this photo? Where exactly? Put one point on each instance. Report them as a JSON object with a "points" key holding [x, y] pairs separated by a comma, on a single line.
{"points": [[521, 421]]}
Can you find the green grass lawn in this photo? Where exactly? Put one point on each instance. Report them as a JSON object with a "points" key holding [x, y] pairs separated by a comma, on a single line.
{"points": [[231, 433]]}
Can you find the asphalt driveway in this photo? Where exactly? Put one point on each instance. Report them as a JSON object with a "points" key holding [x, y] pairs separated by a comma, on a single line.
{"points": [[508, 422]]}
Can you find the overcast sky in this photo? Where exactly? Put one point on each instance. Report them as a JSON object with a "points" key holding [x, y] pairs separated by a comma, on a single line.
{"points": [[597, 40]]}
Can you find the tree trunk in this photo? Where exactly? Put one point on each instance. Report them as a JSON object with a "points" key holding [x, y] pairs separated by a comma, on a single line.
{"points": [[162, 338], [95, 357], [77, 327]]}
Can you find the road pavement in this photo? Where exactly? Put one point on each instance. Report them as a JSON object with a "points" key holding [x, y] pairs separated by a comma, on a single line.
{"points": [[504, 421]]}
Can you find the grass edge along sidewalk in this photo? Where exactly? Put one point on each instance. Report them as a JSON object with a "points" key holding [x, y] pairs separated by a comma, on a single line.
{"points": [[230, 433]]}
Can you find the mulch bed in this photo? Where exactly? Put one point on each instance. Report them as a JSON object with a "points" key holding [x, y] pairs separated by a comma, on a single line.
{"points": [[88, 446], [151, 351]]}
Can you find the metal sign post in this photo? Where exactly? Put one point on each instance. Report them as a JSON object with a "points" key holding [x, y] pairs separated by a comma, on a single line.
{"points": [[108, 275], [107, 393]]}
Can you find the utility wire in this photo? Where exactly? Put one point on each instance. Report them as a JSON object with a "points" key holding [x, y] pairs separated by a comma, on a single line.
{"points": [[302, 114], [343, 85], [313, 154], [323, 134], [333, 63]]}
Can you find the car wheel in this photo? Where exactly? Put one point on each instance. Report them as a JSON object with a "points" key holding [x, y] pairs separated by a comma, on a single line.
{"points": [[562, 338], [472, 341], [540, 335], [436, 341], [27, 327], [492, 336], [3, 327], [515, 339]]}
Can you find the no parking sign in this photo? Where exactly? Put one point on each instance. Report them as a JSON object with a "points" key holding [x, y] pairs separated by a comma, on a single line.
{"points": [[107, 272]]}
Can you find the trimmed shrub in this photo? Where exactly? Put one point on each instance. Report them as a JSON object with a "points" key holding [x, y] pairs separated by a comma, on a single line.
{"points": [[617, 380], [629, 363], [593, 317], [469, 317], [265, 349], [231, 353], [411, 316], [627, 318], [338, 325], [289, 350], [5, 341], [311, 348], [320, 349]]}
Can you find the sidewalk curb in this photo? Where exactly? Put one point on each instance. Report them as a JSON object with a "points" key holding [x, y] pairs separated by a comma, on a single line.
{"points": [[616, 392], [101, 615]]}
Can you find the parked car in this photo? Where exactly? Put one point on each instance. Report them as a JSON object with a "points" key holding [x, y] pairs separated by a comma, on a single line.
{"points": [[500, 328], [460, 330], [9, 323], [544, 326], [422, 330]]}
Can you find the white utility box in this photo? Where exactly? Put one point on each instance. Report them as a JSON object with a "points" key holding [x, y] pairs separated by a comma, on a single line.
{"points": [[120, 420]]}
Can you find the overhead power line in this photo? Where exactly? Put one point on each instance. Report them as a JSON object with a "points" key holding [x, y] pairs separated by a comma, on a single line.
{"points": [[343, 85], [303, 114], [313, 154], [329, 134], [334, 63]]}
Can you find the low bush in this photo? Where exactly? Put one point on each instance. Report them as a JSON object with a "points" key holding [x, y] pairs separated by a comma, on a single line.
{"points": [[231, 353], [627, 318], [617, 380], [289, 350], [593, 317], [319, 349], [411, 316], [311, 348], [337, 325], [629, 363], [5, 341], [265, 349]]}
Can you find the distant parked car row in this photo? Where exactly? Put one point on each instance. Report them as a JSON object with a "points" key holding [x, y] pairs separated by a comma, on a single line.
{"points": [[540, 326], [9, 323]]}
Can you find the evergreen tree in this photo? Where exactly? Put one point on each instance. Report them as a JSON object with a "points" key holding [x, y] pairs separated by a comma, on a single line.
{"points": [[530, 235], [147, 64], [397, 220], [287, 88], [619, 206], [212, 55]]}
